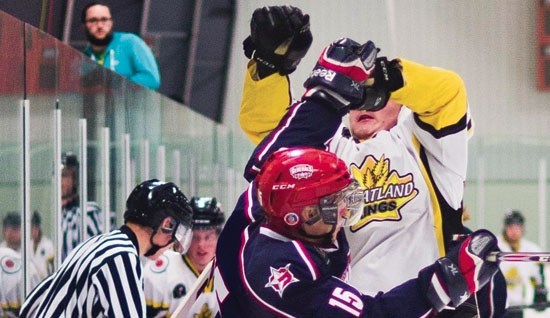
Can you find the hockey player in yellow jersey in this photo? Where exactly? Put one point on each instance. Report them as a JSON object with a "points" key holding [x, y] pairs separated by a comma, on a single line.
{"points": [[405, 141], [168, 279]]}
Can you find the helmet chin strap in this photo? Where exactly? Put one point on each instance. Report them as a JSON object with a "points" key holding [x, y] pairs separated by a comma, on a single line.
{"points": [[323, 239], [327, 213], [154, 247]]}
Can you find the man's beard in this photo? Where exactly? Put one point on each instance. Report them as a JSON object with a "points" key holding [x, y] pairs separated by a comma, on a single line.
{"points": [[99, 42]]}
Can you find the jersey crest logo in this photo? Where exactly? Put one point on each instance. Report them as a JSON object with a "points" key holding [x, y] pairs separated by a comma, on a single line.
{"points": [[10, 265], [160, 264], [513, 277], [280, 279], [179, 291], [204, 312], [385, 191]]}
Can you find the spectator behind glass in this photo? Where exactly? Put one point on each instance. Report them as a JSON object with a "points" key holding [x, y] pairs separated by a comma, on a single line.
{"points": [[11, 231], [124, 53]]}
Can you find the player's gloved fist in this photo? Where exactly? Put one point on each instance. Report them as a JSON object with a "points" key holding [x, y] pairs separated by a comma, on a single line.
{"points": [[462, 272], [388, 77], [279, 39], [540, 297], [341, 73]]}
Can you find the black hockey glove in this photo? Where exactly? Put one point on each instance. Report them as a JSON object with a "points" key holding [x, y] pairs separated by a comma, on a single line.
{"points": [[388, 78], [540, 300], [462, 272], [279, 39], [340, 75]]}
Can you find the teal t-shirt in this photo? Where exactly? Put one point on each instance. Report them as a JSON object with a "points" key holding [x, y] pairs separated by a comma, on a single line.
{"points": [[129, 56]]}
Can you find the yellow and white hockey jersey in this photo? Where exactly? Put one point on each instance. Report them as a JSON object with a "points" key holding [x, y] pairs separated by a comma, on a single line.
{"points": [[43, 257], [168, 279], [413, 175], [520, 288], [12, 288]]}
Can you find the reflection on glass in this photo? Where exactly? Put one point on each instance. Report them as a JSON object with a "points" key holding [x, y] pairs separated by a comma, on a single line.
{"points": [[60, 81]]}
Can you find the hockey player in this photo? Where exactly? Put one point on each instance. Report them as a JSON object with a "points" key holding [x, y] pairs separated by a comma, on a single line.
{"points": [[42, 248], [524, 280], [12, 291], [410, 160], [102, 277], [168, 279], [11, 231], [292, 259]]}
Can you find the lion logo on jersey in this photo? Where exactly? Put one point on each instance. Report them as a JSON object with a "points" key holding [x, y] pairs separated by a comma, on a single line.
{"points": [[385, 190], [280, 279]]}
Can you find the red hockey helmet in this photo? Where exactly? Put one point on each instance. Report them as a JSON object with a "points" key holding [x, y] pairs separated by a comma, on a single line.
{"points": [[292, 179]]}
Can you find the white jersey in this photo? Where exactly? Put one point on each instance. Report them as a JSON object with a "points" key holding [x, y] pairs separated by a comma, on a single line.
{"points": [[166, 282], [43, 257], [413, 175], [12, 289], [518, 275]]}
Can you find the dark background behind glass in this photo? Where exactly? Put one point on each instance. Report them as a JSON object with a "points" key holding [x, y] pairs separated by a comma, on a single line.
{"points": [[169, 32]]}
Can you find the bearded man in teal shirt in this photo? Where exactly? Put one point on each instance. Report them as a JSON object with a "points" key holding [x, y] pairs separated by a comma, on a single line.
{"points": [[125, 53]]}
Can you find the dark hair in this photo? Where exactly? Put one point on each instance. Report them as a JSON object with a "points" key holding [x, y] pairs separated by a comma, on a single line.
{"points": [[70, 164], [91, 4], [36, 219], [12, 219], [514, 217]]}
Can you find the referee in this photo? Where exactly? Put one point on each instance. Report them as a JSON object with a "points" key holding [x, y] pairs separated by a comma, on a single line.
{"points": [[102, 277]]}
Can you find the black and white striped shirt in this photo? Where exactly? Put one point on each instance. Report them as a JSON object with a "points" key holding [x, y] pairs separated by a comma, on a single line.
{"points": [[102, 277], [70, 224]]}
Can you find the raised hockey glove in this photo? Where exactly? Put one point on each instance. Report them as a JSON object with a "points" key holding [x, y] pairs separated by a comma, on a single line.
{"points": [[388, 77], [341, 73], [279, 38], [462, 272]]}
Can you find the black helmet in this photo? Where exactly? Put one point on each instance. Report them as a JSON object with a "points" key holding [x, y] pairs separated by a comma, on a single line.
{"points": [[12, 219], [153, 200], [69, 159], [514, 217], [207, 213], [36, 219]]}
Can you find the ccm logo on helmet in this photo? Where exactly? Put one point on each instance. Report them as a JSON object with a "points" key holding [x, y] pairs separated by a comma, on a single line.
{"points": [[301, 171], [283, 186]]}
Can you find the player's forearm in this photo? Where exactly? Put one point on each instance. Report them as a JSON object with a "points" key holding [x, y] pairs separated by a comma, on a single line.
{"points": [[263, 104], [437, 95], [305, 124]]}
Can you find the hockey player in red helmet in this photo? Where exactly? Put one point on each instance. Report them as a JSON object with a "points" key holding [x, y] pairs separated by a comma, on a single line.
{"points": [[308, 194], [284, 240]]}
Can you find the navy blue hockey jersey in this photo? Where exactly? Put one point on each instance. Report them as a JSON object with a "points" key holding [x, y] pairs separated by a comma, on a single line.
{"points": [[261, 273]]}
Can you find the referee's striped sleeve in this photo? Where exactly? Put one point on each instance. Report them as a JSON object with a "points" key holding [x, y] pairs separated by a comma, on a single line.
{"points": [[101, 277]]}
